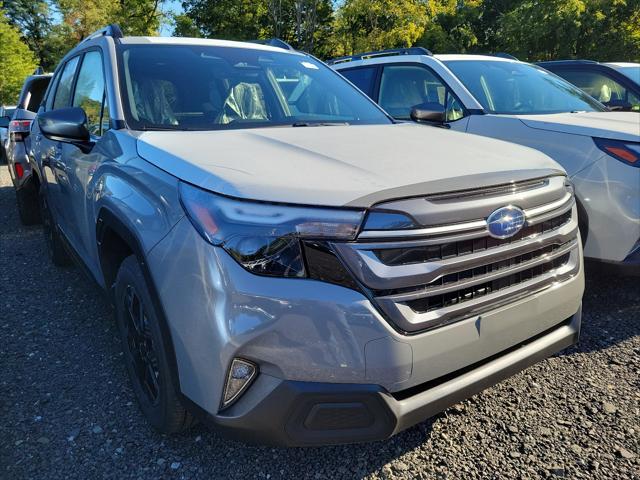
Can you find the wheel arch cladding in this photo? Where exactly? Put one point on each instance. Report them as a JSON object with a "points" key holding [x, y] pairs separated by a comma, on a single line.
{"points": [[115, 240]]}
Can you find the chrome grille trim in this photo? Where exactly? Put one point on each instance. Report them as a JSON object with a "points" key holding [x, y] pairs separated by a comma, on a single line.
{"points": [[410, 321], [376, 275], [426, 232], [532, 215], [534, 212], [439, 290], [434, 275]]}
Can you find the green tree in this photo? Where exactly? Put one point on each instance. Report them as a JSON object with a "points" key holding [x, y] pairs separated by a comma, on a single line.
{"points": [[84, 17], [16, 61], [376, 24], [34, 20], [542, 29], [225, 19], [453, 26], [135, 17], [610, 30], [140, 17], [305, 24], [184, 26]]}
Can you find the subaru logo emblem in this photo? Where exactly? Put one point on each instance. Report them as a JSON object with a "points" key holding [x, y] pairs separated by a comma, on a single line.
{"points": [[505, 222]]}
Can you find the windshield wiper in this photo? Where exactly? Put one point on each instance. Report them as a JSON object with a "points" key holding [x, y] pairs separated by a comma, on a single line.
{"points": [[319, 124], [160, 128]]}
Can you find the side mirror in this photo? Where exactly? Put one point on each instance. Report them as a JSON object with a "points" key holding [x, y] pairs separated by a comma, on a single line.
{"points": [[65, 125], [429, 112], [4, 122]]}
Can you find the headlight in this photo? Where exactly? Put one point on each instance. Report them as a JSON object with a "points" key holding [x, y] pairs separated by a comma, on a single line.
{"points": [[263, 237], [627, 152]]}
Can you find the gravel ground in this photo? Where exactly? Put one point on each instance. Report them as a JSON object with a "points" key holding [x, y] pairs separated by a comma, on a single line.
{"points": [[66, 409]]}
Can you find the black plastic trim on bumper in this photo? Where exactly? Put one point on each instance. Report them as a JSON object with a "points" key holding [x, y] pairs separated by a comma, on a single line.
{"points": [[292, 413]]}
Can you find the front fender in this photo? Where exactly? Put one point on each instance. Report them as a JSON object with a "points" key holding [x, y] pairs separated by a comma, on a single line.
{"points": [[141, 196]]}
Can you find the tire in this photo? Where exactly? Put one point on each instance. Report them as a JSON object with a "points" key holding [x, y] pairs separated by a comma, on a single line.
{"points": [[52, 238], [28, 205], [145, 354]]}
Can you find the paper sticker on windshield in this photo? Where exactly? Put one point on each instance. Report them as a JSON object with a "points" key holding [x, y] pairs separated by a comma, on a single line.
{"points": [[309, 65]]}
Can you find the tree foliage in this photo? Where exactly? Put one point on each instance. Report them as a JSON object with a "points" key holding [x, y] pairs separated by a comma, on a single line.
{"points": [[305, 24], [542, 29], [363, 25], [16, 61], [530, 29], [34, 20]]}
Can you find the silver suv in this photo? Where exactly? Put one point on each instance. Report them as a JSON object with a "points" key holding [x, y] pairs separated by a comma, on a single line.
{"points": [[283, 261]]}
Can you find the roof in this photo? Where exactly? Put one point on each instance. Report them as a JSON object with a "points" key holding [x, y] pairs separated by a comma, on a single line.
{"points": [[201, 42], [460, 57], [567, 62], [622, 64]]}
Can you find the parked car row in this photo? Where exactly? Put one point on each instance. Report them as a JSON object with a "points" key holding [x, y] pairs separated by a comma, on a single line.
{"points": [[18, 144], [293, 263]]}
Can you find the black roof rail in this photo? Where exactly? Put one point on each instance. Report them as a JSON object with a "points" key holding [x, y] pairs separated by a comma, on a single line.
{"points": [[112, 30], [381, 53], [568, 62], [274, 42], [504, 55]]}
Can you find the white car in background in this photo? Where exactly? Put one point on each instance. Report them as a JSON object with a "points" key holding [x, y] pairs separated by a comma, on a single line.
{"points": [[519, 102]]}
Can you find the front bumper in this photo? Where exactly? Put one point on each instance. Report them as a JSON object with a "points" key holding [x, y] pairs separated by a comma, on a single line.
{"points": [[293, 413], [311, 337]]}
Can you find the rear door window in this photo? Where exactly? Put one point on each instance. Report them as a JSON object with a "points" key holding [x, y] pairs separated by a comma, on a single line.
{"points": [[65, 85]]}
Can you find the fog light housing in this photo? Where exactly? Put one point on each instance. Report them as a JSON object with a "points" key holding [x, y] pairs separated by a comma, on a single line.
{"points": [[241, 375]]}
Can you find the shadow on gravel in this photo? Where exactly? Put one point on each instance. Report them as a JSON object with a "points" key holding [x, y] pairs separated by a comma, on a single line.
{"points": [[343, 461], [610, 311]]}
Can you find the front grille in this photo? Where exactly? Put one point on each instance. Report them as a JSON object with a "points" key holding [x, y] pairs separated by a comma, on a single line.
{"points": [[427, 280], [430, 253], [428, 304]]}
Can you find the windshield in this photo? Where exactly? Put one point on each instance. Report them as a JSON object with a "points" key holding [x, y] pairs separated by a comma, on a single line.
{"points": [[520, 88], [631, 71], [193, 87]]}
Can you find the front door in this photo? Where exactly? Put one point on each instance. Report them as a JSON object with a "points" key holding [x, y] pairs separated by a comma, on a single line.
{"points": [[89, 94], [50, 152]]}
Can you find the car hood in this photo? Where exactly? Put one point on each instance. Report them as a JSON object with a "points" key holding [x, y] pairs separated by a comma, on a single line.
{"points": [[612, 125], [340, 165]]}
